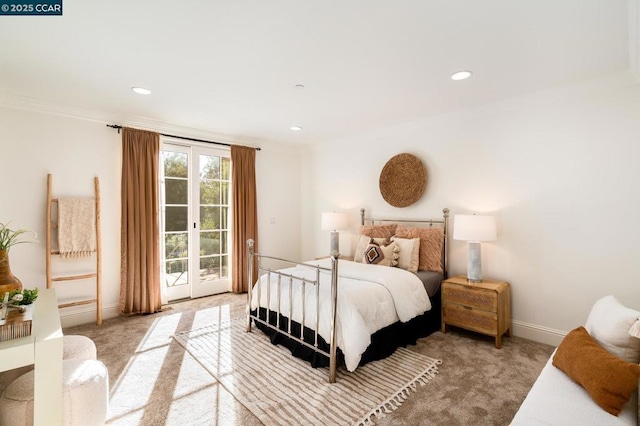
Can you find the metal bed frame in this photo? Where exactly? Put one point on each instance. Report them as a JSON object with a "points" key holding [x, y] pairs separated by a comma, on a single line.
{"points": [[281, 276]]}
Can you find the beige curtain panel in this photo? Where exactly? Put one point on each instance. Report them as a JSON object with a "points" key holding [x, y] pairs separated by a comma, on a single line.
{"points": [[139, 244], [245, 213]]}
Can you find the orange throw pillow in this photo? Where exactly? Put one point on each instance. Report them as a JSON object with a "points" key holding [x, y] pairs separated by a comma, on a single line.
{"points": [[431, 242], [609, 380], [379, 231]]}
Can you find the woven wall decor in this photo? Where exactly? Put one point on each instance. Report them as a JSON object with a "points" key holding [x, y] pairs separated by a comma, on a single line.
{"points": [[403, 180]]}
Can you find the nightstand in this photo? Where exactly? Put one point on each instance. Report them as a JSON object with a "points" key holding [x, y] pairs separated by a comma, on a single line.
{"points": [[483, 307]]}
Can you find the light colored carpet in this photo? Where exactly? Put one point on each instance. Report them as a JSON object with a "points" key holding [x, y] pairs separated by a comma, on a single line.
{"points": [[283, 390], [154, 382]]}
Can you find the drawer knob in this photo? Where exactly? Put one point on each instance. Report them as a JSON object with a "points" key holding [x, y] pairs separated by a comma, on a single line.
{"points": [[468, 307]]}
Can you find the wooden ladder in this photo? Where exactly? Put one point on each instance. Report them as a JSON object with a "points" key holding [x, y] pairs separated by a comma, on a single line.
{"points": [[50, 252]]}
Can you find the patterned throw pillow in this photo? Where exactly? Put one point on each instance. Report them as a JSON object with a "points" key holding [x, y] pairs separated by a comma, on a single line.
{"points": [[363, 242], [376, 254]]}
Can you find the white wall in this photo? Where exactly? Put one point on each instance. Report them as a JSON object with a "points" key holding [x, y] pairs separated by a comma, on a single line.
{"points": [[558, 170], [74, 150]]}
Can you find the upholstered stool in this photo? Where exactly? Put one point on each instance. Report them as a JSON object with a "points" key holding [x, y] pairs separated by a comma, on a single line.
{"points": [[85, 395], [78, 347], [73, 347]]}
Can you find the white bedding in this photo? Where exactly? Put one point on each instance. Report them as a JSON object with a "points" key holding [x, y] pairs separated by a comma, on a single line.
{"points": [[370, 297]]}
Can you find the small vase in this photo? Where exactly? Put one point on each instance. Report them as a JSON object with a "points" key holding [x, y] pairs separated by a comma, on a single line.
{"points": [[8, 281]]}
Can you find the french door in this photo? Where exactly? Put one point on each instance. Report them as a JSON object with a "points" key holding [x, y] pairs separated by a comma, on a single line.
{"points": [[196, 236]]}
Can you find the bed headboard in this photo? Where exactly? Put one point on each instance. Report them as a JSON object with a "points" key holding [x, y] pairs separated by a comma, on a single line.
{"points": [[444, 223]]}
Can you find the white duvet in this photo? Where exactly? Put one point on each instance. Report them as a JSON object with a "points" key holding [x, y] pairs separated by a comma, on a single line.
{"points": [[370, 297]]}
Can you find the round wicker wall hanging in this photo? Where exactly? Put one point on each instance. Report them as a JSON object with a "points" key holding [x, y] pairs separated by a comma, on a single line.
{"points": [[403, 180]]}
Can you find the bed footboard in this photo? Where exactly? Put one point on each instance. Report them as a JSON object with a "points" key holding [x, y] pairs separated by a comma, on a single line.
{"points": [[291, 280]]}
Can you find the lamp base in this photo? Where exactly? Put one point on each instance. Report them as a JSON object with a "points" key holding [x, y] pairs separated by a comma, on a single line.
{"points": [[334, 246], [474, 262]]}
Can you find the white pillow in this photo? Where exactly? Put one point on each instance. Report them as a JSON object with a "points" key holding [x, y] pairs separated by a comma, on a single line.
{"points": [[609, 323], [409, 253], [362, 243]]}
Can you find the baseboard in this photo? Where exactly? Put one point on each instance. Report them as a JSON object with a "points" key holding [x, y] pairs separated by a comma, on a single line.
{"points": [[79, 315], [549, 336]]}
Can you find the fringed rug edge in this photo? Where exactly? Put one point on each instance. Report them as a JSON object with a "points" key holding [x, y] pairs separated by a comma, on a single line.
{"points": [[395, 401]]}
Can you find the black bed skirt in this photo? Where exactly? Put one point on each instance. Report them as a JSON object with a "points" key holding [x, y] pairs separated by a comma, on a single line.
{"points": [[383, 342]]}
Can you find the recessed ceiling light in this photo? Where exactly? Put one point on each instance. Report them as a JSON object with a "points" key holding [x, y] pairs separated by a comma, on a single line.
{"points": [[296, 128], [461, 75], [141, 90]]}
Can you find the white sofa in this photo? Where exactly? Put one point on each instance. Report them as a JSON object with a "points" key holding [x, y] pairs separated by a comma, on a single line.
{"points": [[555, 399]]}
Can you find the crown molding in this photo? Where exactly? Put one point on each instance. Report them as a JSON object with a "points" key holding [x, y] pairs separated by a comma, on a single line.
{"points": [[25, 103]]}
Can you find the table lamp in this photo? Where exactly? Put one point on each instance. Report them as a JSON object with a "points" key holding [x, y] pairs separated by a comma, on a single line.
{"points": [[474, 229], [334, 221]]}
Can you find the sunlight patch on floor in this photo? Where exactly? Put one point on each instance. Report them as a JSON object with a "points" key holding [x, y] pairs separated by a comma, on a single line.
{"points": [[134, 387], [136, 383], [160, 332], [210, 316], [199, 399]]}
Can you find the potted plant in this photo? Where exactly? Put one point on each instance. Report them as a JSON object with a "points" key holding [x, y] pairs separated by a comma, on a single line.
{"points": [[8, 239], [22, 299]]}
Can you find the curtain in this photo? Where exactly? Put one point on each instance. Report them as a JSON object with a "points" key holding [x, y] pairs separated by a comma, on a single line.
{"points": [[245, 213], [140, 229]]}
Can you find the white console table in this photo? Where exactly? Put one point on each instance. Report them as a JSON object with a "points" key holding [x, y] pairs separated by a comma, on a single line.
{"points": [[43, 349]]}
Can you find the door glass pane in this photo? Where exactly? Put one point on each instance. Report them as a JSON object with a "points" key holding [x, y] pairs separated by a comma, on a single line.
{"points": [[177, 272], [209, 192], [176, 218], [175, 164], [224, 193], [176, 246], [175, 191], [224, 267], [223, 242], [225, 169], [224, 211], [209, 268], [209, 243], [209, 167], [209, 218]]}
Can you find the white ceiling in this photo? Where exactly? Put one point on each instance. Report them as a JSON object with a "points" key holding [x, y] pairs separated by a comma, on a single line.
{"points": [[230, 66]]}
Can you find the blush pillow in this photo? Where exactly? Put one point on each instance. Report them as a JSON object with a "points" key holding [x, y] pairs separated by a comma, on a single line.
{"points": [[379, 231], [609, 380], [609, 323], [431, 241]]}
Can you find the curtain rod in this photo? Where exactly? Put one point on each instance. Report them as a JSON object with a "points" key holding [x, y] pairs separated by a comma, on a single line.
{"points": [[117, 127]]}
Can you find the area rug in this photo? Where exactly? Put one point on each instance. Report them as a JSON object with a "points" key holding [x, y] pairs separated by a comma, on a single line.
{"points": [[280, 389]]}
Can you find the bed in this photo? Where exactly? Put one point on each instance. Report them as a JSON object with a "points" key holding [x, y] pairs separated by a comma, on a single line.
{"points": [[354, 310]]}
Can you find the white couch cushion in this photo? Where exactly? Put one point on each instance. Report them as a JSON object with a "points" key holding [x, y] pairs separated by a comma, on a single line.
{"points": [[555, 399], [609, 323]]}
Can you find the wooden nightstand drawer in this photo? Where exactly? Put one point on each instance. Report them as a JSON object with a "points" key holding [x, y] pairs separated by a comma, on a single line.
{"points": [[470, 318], [483, 307], [468, 296]]}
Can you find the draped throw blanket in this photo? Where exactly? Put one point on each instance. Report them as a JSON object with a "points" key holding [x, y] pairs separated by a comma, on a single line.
{"points": [[140, 229], [245, 212], [76, 227]]}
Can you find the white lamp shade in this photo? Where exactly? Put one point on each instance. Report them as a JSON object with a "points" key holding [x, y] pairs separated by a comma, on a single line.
{"points": [[471, 227], [334, 221]]}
